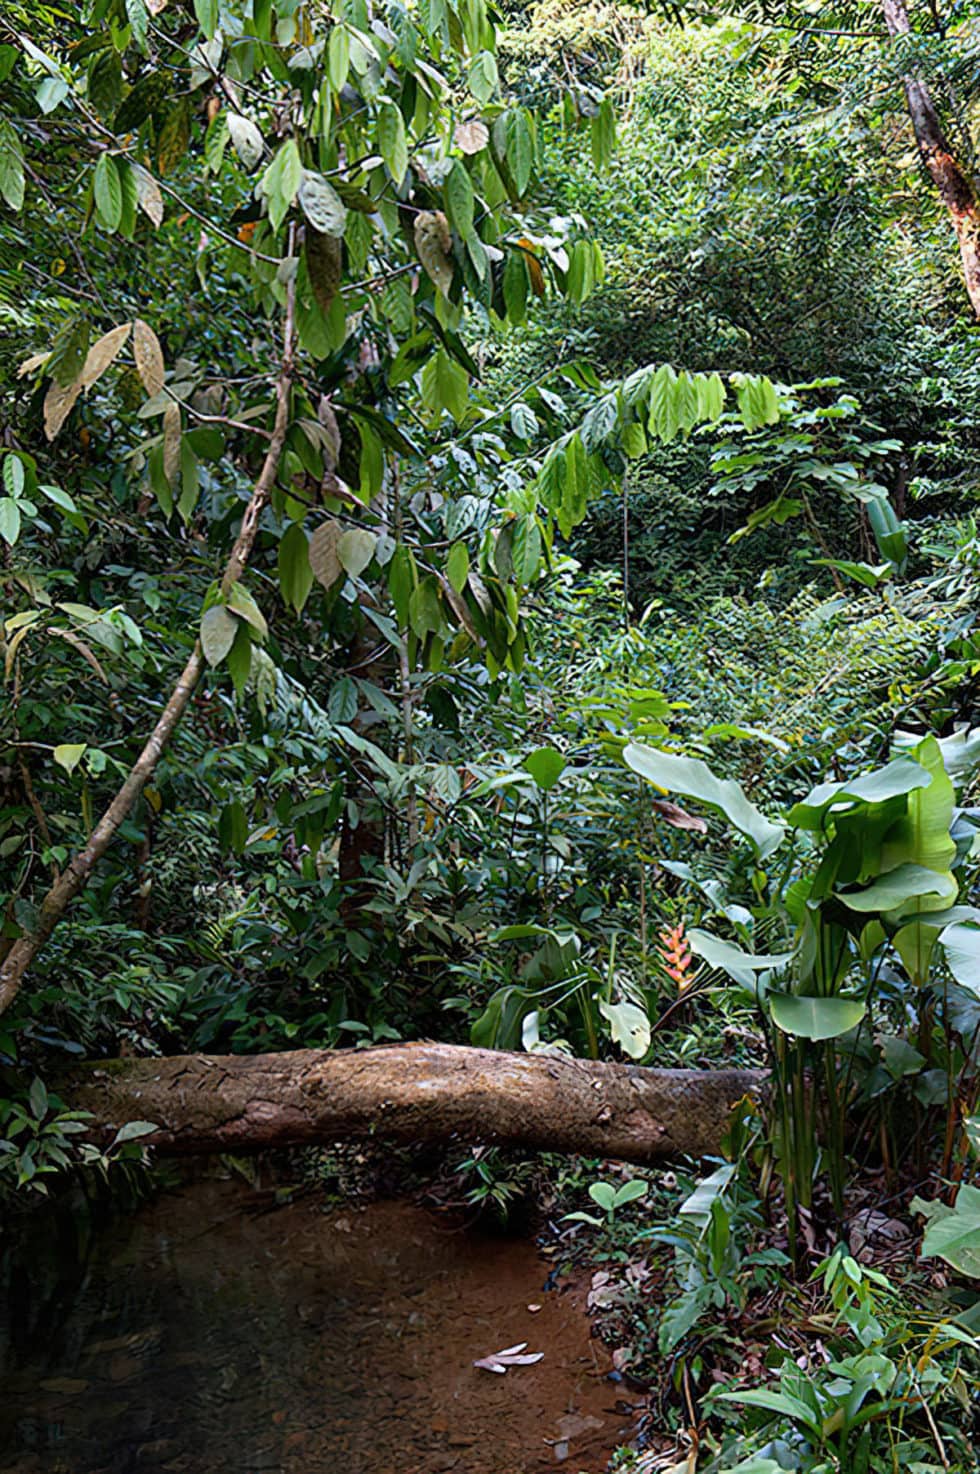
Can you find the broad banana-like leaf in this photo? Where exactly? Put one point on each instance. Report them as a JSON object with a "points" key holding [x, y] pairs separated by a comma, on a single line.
{"points": [[960, 751], [902, 890], [921, 836], [961, 944], [902, 775], [694, 779], [815, 1018]]}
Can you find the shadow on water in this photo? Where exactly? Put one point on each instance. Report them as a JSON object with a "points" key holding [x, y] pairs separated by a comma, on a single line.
{"points": [[205, 1333]]}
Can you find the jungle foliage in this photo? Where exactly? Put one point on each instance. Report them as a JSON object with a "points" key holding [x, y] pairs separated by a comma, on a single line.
{"points": [[488, 551]]}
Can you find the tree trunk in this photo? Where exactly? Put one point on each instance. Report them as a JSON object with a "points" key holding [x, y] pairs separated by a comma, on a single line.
{"points": [[411, 1092], [14, 966], [954, 183]]}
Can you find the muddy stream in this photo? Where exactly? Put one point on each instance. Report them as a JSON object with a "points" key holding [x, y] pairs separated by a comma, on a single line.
{"points": [[206, 1333]]}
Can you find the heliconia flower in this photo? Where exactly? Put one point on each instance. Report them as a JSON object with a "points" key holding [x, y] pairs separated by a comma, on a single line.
{"points": [[675, 953]]}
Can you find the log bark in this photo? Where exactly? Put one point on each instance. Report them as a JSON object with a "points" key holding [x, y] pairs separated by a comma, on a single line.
{"points": [[411, 1092], [953, 182]]}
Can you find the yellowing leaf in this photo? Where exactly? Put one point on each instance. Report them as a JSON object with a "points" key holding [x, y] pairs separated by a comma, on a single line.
{"points": [[171, 442], [324, 557], [68, 755], [433, 243], [101, 354], [149, 356], [58, 404]]}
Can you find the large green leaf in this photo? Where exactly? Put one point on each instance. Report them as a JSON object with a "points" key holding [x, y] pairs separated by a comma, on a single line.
{"points": [[960, 751], [694, 779], [955, 1236], [961, 944], [740, 966], [815, 1018], [903, 775], [921, 836], [899, 889]]}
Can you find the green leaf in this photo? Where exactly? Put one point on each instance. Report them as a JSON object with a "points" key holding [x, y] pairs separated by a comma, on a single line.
{"points": [[631, 1191], [815, 1018], [207, 16], [483, 77], [281, 181], [921, 835], [445, 385], [37, 1098], [11, 166], [519, 149], [355, 549], [629, 1027], [218, 631], [342, 701], [133, 1130], [901, 886], [604, 1195], [240, 657], [9, 520], [322, 205], [955, 1236], [68, 755], [961, 947], [901, 776], [233, 828], [107, 188], [740, 966], [545, 765], [776, 1402], [458, 566], [694, 779], [392, 142], [139, 21], [338, 57], [295, 573], [459, 198], [241, 601]]}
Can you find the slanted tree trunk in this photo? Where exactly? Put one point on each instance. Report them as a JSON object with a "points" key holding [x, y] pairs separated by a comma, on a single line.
{"points": [[953, 181], [411, 1092], [15, 963]]}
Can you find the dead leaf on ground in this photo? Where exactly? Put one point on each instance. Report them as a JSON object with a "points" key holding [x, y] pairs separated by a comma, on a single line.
{"points": [[511, 1356]]}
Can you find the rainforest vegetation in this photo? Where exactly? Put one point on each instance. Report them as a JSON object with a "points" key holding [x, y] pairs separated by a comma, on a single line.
{"points": [[489, 619]]}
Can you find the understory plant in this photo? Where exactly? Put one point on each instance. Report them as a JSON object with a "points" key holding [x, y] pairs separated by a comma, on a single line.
{"points": [[859, 884]]}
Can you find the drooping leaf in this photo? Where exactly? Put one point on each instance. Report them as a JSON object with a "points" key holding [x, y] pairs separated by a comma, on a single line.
{"points": [[900, 888], [324, 557], [295, 573], [815, 1018], [629, 1027], [355, 549], [694, 779], [901, 776], [149, 356], [218, 631], [68, 755], [545, 765], [322, 205]]}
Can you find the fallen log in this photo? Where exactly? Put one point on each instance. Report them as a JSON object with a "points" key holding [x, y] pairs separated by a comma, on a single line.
{"points": [[411, 1092]]}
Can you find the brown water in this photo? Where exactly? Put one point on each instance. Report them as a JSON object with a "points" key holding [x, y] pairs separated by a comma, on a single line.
{"points": [[206, 1335]]}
